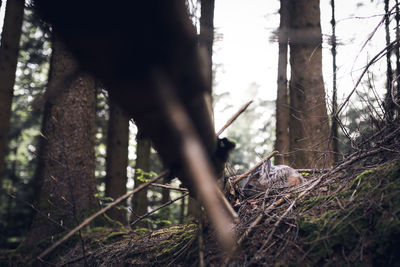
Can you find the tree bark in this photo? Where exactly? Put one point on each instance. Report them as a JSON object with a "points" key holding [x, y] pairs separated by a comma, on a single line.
{"points": [[117, 159], [165, 194], [139, 200], [308, 123], [389, 106], [207, 34], [194, 208], [67, 182], [397, 51], [335, 126], [9, 47], [282, 101], [182, 210]]}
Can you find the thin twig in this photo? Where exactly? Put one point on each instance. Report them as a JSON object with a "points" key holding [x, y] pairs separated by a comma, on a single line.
{"points": [[160, 207], [100, 212], [312, 170], [234, 117], [254, 168], [170, 187], [392, 91], [374, 59]]}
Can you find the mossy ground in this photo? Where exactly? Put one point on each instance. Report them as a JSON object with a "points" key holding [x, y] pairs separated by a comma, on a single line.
{"points": [[352, 219], [358, 225]]}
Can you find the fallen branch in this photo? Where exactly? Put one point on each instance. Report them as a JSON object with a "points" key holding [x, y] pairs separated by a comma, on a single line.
{"points": [[244, 175], [313, 170], [160, 207], [100, 212], [234, 117]]}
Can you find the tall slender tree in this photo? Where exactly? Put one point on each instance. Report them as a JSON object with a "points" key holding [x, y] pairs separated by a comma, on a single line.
{"points": [[117, 159], [139, 200], [66, 171], [206, 43], [10, 38], [282, 101], [389, 106], [308, 121], [397, 51], [335, 126]]}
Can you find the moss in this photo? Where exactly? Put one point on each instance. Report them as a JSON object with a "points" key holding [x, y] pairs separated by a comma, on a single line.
{"points": [[142, 231], [176, 241], [114, 237], [366, 221], [310, 203], [164, 245]]}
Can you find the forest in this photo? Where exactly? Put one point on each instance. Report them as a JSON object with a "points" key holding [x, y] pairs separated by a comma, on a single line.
{"points": [[128, 139]]}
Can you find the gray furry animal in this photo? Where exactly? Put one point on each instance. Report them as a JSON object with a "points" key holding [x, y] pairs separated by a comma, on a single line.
{"points": [[270, 177]]}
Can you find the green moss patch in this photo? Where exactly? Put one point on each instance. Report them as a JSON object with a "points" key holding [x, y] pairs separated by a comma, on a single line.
{"points": [[358, 226]]}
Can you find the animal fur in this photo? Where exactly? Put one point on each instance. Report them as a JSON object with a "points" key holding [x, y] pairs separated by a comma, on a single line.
{"points": [[270, 177]]}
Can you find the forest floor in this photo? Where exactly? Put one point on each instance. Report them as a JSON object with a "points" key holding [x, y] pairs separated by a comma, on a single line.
{"points": [[346, 216]]}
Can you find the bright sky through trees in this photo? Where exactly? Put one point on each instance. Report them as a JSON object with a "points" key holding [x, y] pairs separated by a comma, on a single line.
{"points": [[247, 53]]}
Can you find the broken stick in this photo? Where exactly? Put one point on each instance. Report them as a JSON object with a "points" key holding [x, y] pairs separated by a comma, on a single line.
{"points": [[234, 117]]}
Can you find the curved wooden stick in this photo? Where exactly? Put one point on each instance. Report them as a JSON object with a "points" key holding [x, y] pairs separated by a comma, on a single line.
{"points": [[234, 117]]}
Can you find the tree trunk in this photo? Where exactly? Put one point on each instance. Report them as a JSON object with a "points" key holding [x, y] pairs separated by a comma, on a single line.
{"points": [[194, 208], [397, 51], [139, 200], [182, 210], [117, 159], [282, 101], [67, 182], [207, 34], [165, 194], [389, 106], [8, 64], [308, 122], [335, 126]]}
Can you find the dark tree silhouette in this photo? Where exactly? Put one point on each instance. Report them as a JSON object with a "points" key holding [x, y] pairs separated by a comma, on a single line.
{"points": [[117, 159], [335, 126], [66, 171], [8, 64]]}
